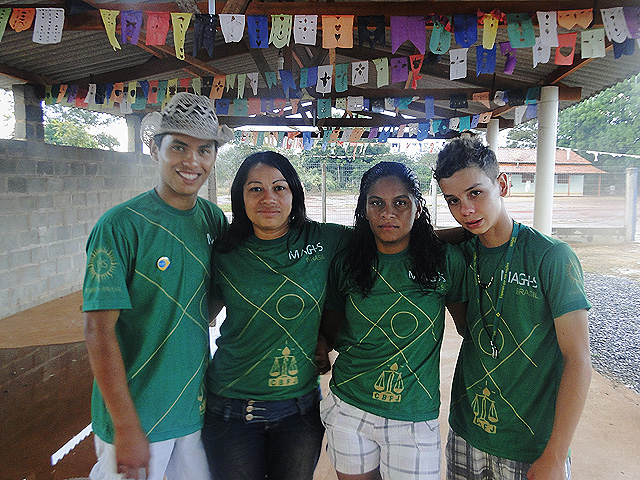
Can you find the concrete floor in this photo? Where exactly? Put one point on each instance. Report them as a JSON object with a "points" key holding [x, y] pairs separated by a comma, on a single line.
{"points": [[606, 445]]}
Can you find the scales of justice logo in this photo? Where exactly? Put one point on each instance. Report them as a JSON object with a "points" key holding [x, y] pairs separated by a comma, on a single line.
{"points": [[484, 411], [284, 370], [389, 386]]}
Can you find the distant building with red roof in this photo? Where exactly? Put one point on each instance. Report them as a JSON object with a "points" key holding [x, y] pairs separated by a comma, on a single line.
{"points": [[571, 169]]}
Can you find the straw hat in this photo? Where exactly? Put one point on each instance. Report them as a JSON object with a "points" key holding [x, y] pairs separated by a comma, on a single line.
{"points": [[188, 114]]}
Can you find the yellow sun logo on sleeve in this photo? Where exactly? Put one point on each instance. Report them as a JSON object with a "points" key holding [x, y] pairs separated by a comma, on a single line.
{"points": [[102, 264]]}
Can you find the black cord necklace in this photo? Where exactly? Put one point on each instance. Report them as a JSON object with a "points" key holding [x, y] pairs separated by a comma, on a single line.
{"points": [[482, 288]]}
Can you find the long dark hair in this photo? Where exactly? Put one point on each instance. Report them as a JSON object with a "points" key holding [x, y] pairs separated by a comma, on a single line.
{"points": [[241, 227], [425, 248]]}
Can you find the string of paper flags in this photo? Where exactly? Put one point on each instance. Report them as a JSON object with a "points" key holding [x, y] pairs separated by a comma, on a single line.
{"points": [[621, 26]]}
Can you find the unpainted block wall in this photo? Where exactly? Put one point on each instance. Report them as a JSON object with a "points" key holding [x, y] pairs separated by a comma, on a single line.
{"points": [[50, 198]]}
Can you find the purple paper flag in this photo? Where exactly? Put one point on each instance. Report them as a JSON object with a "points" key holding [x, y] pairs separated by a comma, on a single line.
{"points": [[510, 61], [130, 25], [399, 69], [632, 17], [408, 28]]}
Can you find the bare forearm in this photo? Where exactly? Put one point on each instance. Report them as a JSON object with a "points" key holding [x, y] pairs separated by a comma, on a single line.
{"points": [[132, 446], [573, 339], [108, 369], [572, 395]]}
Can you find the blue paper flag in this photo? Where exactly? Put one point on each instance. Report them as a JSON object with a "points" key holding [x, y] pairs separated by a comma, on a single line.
{"points": [[258, 28], [429, 107], [485, 60]]}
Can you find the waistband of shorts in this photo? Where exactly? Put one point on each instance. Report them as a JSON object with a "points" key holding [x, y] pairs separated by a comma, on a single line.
{"points": [[254, 411]]}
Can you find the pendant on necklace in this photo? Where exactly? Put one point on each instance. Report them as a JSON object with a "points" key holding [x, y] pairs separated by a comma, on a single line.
{"points": [[494, 350], [484, 286]]}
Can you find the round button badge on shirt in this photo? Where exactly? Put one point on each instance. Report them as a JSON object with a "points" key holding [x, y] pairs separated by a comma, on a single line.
{"points": [[163, 263]]}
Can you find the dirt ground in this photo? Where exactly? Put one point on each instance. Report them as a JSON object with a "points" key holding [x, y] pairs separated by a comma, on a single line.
{"points": [[622, 260]]}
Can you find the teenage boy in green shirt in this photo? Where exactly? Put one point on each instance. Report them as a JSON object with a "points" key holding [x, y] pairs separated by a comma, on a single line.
{"points": [[146, 305], [524, 367]]}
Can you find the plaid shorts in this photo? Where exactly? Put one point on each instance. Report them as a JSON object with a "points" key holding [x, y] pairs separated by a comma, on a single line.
{"points": [[465, 462], [359, 442]]}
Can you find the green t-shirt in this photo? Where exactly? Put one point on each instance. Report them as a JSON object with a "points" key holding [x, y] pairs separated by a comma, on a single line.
{"points": [[505, 406], [273, 291], [152, 262], [389, 345]]}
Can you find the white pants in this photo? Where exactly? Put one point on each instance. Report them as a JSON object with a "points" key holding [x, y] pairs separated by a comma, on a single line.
{"points": [[178, 459]]}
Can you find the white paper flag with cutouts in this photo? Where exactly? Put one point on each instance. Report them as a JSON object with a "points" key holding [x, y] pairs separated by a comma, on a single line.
{"points": [[541, 53], [548, 24], [253, 82], [519, 114], [325, 78], [615, 26], [305, 28], [48, 24], [232, 26], [359, 73], [355, 103], [592, 43], [458, 63]]}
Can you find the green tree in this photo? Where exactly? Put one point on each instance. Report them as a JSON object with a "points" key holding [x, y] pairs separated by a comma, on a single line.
{"points": [[72, 126], [606, 122]]}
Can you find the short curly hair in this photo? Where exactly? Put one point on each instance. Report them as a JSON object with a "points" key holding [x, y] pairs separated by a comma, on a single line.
{"points": [[466, 152]]}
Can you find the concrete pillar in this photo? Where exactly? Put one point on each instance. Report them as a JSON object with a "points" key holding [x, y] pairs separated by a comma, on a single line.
{"points": [[324, 192], [212, 185], [631, 204], [133, 133], [434, 201], [546, 159], [28, 112], [493, 129]]}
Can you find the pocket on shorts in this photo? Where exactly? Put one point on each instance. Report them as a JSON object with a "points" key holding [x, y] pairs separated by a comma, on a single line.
{"points": [[328, 409], [426, 435]]}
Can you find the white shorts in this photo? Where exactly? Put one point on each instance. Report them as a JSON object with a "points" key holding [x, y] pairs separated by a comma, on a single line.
{"points": [[178, 459], [359, 442]]}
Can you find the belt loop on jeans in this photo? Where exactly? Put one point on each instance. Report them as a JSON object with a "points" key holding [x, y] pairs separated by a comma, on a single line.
{"points": [[306, 402], [226, 414]]}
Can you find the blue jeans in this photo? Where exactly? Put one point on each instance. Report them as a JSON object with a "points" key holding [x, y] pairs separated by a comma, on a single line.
{"points": [[254, 440]]}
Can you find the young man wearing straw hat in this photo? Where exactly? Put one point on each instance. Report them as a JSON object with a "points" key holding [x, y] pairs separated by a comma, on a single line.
{"points": [[145, 302]]}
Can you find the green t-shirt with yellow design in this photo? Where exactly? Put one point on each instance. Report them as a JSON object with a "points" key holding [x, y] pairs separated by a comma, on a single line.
{"points": [[505, 406], [152, 262], [273, 291], [389, 345]]}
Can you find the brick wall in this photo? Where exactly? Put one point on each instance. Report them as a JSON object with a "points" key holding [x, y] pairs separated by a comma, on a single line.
{"points": [[50, 198]]}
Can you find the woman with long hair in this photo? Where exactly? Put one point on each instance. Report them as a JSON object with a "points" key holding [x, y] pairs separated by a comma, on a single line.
{"points": [[270, 272], [388, 293]]}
